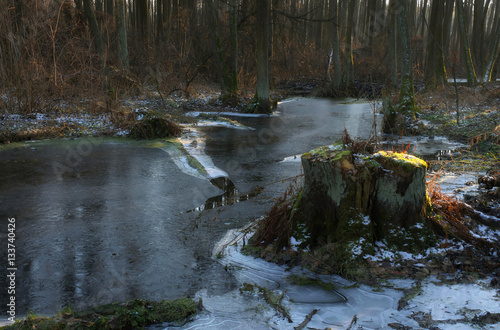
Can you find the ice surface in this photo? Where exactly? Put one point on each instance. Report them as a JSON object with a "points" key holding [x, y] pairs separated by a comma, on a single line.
{"points": [[443, 303]]}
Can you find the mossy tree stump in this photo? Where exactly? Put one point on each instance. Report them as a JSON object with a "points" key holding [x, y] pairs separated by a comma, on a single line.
{"points": [[353, 200]]}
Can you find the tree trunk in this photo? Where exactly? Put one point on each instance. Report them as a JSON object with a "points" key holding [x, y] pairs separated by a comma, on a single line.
{"points": [[142, 14], [478, 30], [435, 72], [492, 58], [229, 74], [262, 21], [88, 10], [471, 73], [407, 94], [232, 83], [337, 66], [109, 7], [347, 75], [392, 25], [79, 5], [122, 35], [19, 7]]}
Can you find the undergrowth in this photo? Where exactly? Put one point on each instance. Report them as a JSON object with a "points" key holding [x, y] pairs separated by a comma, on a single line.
{"points": [[453, 218], [276, 227], [153, 128]]}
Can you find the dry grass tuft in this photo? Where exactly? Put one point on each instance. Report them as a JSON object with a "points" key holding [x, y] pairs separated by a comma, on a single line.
{"points": [[154, 128], [358, 146], [276, 226]]}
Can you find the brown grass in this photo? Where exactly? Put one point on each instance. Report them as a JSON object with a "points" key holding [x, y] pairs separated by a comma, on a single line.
{"points": [[453, 218], [154, 128], [276, 227], [358, 146]]}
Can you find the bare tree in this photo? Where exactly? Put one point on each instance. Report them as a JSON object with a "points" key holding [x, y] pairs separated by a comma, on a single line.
{"points": [[262, 21], [435, 72], [407, 94], [466, 53], [88, 10]]}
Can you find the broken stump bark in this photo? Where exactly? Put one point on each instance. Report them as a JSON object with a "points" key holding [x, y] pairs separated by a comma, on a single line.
{"points": [[352, 200]]}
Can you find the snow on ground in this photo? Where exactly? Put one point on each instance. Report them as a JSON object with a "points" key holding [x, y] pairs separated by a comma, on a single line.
{"points": [[430, 302]]}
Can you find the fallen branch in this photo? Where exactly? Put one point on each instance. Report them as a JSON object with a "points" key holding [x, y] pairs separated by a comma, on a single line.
{"points": [[306, 320]]}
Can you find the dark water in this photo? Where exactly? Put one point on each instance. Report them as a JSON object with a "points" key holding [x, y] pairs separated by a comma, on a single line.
{"points": [[101, 221]]}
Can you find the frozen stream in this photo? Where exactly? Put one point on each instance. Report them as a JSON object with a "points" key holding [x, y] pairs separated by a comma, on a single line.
{"points": [[106, 220]]}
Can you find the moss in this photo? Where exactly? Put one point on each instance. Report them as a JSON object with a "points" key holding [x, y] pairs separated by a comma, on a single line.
{"points": [[305, 280], [247, 288], [413, 240], [371, 163], [251, 250], [328, 153], [134, 314], [396, 159]]}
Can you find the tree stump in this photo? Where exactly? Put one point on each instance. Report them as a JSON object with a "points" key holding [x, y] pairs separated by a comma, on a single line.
{"points": [[352, 200]]}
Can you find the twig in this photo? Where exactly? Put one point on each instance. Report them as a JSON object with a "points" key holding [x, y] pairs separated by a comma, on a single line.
{"points": [[353, 322], [306, 320]]}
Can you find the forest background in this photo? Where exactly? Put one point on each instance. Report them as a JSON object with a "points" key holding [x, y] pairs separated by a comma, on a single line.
{"points": [[105, 51]]}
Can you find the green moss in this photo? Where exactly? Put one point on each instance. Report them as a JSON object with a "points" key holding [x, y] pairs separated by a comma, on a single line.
{"points": [[158, 143], [305, 280], [251, 250], [328, 153], [247, 288], [413, 240], [134, 314], [371, 163]]}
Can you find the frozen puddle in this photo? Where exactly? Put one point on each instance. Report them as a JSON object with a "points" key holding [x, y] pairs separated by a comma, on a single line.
{"points": [[237, 310], [459, 184], [445, 306]]}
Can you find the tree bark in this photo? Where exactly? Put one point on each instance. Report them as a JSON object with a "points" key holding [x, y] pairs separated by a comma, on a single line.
{"points": [[466, 53], [478, 31], [492, 58], [122, 35], [407, 94], [435, 72], [229, 73], [392, 26], [347, 75], [337, 66], [262, 21], [89, 13]]}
